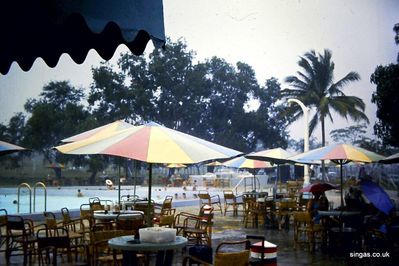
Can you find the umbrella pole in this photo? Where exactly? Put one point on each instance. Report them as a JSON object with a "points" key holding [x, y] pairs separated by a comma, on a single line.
{"points": [[342, 185], [119, 183], [135, 177], [149, 218]]}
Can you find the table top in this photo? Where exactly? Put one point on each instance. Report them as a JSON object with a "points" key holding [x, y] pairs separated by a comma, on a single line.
{"points": [[127, 243], [338, 213], [127, 215]]}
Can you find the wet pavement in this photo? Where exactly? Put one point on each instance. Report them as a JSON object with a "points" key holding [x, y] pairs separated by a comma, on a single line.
{"points": [[232, 228]]}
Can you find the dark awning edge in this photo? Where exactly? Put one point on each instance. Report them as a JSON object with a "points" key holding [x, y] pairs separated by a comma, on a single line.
{"points": [[29, 30]]}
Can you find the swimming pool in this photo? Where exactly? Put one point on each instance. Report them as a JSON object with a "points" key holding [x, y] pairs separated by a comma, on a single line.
{"points": [[67, 196]]}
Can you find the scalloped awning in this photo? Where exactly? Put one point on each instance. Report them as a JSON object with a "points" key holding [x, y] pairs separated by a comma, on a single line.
{"points": [[49, 28]]}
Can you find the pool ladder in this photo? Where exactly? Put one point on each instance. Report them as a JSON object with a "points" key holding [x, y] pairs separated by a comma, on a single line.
{"points": [[38, 184]]}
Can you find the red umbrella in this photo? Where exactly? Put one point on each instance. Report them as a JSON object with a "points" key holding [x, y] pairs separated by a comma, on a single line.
{"points": [[317, 188]]}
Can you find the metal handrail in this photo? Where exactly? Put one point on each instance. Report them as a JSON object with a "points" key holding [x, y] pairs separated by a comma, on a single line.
{"points": [[19, 194], [243, 179], [34, 195]]}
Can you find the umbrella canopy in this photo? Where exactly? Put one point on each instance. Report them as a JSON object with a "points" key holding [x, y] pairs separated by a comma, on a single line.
{"points": [[318, 188], [7, 148], [151, 143], [176, 165], [214, 163], [47, 29], [277, 156], [394, 158], [377, 196], [339, 154], [242, 162], [100, 131]]}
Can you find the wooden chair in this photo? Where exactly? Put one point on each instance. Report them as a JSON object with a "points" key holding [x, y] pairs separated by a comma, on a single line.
{"points": [[20, 238], [101, 253], [252, 212], [206, 199], [232, 200], [3, 229], [130, 226], [284, 211], [198, 229], [178, 223], [237, 253], [306, 231], [55, 241], [164, 214]]}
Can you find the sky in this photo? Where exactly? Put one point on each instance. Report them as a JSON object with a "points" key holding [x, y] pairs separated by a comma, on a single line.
{"points": [[268, 35]]}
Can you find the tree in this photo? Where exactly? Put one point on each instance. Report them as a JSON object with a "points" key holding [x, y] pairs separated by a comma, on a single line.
{"points": [[351, 134], [207, 99], [55, 115], [299, 145], [386, 98], [315, 87]]}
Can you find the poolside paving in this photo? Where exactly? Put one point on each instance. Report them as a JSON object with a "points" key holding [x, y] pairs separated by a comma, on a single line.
{"points": [[231, 228]]}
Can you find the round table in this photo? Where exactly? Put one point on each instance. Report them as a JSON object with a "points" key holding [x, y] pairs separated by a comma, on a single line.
{"points": [[130, 246], [109, 215]]}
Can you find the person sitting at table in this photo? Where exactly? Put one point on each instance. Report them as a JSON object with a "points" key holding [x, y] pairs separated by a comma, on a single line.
{"points": [[319, 202]]}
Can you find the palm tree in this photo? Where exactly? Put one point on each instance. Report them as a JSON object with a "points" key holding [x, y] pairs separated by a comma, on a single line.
{"points": [[315, 87]]}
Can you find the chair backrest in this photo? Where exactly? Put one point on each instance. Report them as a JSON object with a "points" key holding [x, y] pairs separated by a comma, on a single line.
{"points": [[66, 217], [130, 225], [50, 220], [15, 223], [302, 219], [204, 197], [229, 196], [3, 217], [237, 257]]}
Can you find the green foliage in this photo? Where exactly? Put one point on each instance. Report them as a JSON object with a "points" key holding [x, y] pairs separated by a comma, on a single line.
{"points": [[315, 87], [207, 99], [349, 135], [299, 145], [54, 116], [386, 98]]}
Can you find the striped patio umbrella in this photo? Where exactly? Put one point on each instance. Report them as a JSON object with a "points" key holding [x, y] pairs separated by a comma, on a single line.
{"points": [[340, 154], [7, 148], [276, 156], [214, 163], [151, 143], [394, 158], [245, 163], [100, 131], [176, 165]]}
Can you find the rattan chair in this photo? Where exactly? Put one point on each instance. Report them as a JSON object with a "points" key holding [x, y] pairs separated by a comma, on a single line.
{"points": [[306, 231], [206, 199], [232, 200], [20, 238]]}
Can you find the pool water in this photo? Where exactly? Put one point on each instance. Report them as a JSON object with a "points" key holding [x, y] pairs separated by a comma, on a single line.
{"points": [[58, 198]]}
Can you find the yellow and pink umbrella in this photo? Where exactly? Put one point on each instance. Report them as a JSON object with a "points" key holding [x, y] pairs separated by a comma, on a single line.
{"points": [[340, 154], [276, 156], [151, 143], [245, 163], [100, 131]]}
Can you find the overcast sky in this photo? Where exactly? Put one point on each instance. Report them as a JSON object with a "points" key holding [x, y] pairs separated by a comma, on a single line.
{"points": [[268, 35]]}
